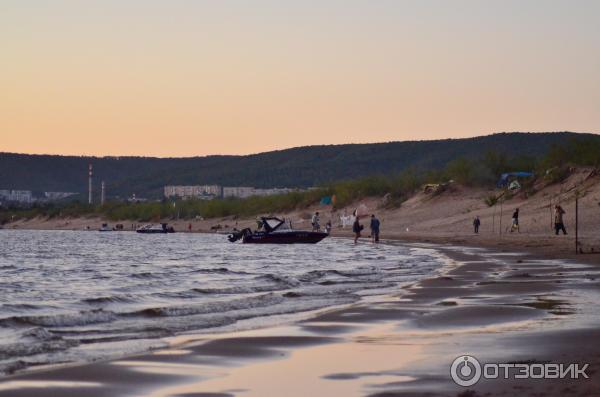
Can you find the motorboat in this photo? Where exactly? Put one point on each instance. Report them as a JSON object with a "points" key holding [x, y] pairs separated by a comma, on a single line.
{"points": [[273, 230], [156, 228]]}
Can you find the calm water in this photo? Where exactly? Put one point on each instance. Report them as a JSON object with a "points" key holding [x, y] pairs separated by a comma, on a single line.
{"points": [[80, 296]]}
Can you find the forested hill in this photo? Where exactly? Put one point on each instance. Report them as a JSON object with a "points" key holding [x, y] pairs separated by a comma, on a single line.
{"points": [[296, 167]]}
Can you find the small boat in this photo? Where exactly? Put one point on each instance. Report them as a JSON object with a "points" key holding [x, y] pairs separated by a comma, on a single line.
{"points": [[156, 228], [105, 228], [276, 231]]}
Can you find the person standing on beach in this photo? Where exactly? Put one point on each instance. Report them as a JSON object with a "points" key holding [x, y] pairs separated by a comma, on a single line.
{"points": [[374, 228], [315, 222], [476, 224], [356, 228], [558, 220], [515, 222]]}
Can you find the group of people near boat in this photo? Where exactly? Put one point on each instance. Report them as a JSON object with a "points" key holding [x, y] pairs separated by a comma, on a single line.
{"points": [[559, 224], [357, 227], [374, 226], [316, 225]]}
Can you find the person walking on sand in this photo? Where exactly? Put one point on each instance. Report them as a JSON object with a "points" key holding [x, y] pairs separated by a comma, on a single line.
{"points": [[558, 220], [356, 228], [515, 222], [374, 228], [476, 224], [315, 222]]}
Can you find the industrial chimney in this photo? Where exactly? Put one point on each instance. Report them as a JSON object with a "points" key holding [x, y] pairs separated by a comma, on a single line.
{"points": [[103, 194], [90, 185]]}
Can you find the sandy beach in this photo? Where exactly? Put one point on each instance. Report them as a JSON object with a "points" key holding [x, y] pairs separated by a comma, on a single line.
{"points": [[500, 307], [524, 298], [300, 198], [444, 218]]}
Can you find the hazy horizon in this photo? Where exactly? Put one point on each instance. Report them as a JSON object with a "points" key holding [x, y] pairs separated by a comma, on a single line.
{"points": [[295, 147], [184, 79]]}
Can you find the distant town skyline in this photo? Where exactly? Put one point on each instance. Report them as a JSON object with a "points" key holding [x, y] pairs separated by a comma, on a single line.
{"points": [[180, 78]]}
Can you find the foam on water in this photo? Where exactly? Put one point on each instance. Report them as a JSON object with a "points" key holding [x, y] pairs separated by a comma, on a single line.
{"points": [[82, 296]]}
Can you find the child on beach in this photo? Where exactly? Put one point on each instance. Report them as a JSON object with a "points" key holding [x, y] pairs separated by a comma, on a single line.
{"points": [[328, 227]]}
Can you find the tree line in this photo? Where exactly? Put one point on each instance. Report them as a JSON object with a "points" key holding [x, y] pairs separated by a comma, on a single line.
{"points": [[479, 171]]}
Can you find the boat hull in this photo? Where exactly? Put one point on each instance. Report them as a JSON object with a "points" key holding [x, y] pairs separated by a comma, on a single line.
{"points": [[162, 228], [295, 237]]}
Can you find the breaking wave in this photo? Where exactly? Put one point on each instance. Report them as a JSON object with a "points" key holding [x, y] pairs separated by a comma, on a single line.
{"points": [[87, 298]]}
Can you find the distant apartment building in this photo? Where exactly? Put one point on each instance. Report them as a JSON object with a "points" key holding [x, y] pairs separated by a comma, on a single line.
{"points": [[273, 191], [209, 192], [196, 191], [55, 196], [28, 197], [18, 196], [245, 191], [238, 191]]}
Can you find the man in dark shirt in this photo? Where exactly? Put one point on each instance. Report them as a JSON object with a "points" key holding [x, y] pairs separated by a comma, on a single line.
{"points": [[374, 229], [476, 224]]}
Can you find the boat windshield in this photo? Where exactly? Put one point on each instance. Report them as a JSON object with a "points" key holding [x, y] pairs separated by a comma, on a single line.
{"points": [[286, 225], [273, 223]]}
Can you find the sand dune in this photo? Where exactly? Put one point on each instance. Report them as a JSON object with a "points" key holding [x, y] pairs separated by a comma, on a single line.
{"points": [[441, 218]]}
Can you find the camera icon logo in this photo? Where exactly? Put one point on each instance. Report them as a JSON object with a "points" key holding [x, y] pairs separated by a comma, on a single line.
{"points": [[465, 371]]}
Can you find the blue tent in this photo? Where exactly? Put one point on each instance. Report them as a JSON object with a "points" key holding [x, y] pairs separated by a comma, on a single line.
{"points": [[326, 200], [503, 181]]}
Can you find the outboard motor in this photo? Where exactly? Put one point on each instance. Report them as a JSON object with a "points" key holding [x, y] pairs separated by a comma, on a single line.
{"points": [[235, 236]]}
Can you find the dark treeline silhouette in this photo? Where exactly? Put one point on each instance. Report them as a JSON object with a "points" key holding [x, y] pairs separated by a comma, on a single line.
{"points": [[553, 166], [296, 167]]}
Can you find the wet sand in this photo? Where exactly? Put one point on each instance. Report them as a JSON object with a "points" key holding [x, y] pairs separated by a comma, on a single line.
{"points": [[499, 307]]}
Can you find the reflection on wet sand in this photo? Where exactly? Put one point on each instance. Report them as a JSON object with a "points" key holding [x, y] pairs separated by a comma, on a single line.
{"points": [[45, 384], [497, 308], [338, 368]]}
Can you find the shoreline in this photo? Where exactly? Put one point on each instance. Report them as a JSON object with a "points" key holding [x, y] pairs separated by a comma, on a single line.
{"points": [[545, 245], [490, 300], [186, 337]]}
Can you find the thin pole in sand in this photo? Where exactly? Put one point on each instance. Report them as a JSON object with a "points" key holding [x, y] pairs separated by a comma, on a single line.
{"points": [[550, 208], [494, 220], [500, 226], [576, 222]]}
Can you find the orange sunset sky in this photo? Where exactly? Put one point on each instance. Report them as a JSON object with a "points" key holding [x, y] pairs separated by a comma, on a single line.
{"points": [[185, 78]]}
